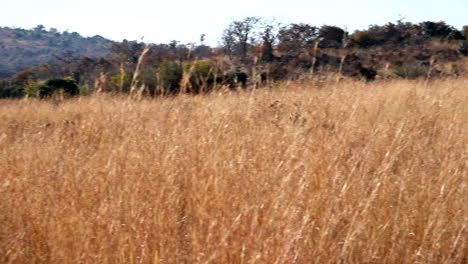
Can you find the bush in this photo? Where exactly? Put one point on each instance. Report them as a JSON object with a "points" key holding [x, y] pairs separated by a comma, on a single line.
{"points": [[8, 90], [464, 32], [169, 77], [365, 39], [201, 76], [463, 49], [120, 83], [236, 79], [52, 87], [147, 77], [435, 29], [368, 73], [278, 71], [455, 35], [411, 70]]}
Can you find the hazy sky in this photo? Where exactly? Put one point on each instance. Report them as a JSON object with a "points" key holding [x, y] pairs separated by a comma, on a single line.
{"points": [[162, 21]]}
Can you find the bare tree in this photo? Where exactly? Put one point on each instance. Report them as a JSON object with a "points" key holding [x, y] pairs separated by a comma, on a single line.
{"points": [[268, 37], [237, 36], [295, 39]]}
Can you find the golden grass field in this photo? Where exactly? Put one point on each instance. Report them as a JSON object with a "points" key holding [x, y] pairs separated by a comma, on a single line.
{"points": [[349, 172]]}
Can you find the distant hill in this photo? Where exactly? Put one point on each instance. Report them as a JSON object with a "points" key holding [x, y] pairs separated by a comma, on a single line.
{"points": [[21, 48]]}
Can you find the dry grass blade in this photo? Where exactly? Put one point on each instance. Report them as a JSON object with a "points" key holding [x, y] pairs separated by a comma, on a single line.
{"points": [[134, 84]]}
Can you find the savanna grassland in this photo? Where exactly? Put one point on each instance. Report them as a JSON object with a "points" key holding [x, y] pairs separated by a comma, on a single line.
{"points": [[348, 172]]}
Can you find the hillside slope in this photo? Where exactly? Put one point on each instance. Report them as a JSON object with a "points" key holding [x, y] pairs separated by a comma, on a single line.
{"points": [[20, 48]]}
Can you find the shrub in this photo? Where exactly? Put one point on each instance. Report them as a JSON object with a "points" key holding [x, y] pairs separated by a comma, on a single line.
{"points": [[411, 70], [169, 77], [278, 71], [464, 31], [463, 49], [148, 78], [236, 79], [120, 82], [52, 87], [455, 35], [365, 39], [435, 29], [201, 76], [368, 73], [9, 90], [352, 65]]}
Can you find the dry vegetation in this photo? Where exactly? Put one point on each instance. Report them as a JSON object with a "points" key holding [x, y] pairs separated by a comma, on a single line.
{"points": [[304, 173]]}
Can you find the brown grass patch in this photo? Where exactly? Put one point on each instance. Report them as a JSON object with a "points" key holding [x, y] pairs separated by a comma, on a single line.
{"points": [[345, 173]]}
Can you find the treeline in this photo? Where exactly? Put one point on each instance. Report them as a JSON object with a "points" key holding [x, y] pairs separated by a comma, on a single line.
{"points": [[257, 52]]}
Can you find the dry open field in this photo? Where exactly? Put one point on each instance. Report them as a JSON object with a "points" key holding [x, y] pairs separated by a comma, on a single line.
{"points": [[304, 173]]}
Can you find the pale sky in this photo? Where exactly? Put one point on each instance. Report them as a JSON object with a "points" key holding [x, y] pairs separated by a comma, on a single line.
{"points": [[163, 21]]}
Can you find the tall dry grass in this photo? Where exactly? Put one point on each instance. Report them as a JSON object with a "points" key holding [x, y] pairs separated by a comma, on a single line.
{"points": [[305, 173]]}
